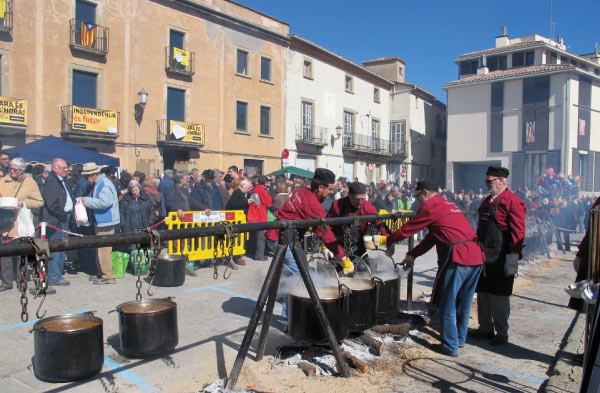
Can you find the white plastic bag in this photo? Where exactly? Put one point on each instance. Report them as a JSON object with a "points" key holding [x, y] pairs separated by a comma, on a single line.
{"points": [[81, 217], [25, 223]]}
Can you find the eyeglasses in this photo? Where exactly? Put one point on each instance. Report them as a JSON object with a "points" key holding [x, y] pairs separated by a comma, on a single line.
{"points": [[490, 181]]}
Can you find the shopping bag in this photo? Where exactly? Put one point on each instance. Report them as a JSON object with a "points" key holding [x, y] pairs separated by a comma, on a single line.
{"points": [[117, 264], [81, 217], [25, 222], [144, 263], [271, 216]]}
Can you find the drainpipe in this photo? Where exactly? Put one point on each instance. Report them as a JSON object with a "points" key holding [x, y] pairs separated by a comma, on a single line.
{"points": [[566, 150]]}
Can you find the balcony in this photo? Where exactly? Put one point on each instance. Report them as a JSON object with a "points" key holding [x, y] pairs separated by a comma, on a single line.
{"points": [[6, 23], [179, 61], [179, 134], [365, 144], [89, 38], [398, 149], [88, 123], [311, 135]]}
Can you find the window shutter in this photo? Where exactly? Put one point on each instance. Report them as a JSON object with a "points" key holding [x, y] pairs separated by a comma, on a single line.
{"points": [[589, 178], [553, 160], [575, 163], [541, 129], [597, 172], [518, 170]]}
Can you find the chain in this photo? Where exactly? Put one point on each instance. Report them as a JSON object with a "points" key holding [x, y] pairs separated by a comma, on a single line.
{"points": [[218, 240], [138, 283], [23, 287], [155, 244]]}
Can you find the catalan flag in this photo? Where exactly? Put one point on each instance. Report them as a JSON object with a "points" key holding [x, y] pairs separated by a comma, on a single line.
{"points": [[530, 132], [581, 128], [88, 34]]}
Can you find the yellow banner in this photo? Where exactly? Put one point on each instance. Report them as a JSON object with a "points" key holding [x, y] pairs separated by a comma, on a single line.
{"points": [[13, 111], [95, 120], [187, 132], [2, 9], [181, 56]]}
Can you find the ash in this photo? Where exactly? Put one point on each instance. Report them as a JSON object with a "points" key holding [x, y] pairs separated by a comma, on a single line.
{"points": [[218, 386]]}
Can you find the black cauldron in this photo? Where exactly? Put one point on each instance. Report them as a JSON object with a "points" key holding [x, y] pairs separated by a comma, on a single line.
{"points": [[363, 302], [170, 270]]}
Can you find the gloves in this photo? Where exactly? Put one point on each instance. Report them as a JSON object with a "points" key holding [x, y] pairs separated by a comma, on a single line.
{"points": [[372, 242], [368, 240], [390, 250], [347, 265], [408, 262], [576, 264], [511, 266], [380, 240]]}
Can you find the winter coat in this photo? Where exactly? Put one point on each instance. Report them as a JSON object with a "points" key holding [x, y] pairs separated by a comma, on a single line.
{"points": [[259, 213], [104, 202], [145, 212], [55, 199]]}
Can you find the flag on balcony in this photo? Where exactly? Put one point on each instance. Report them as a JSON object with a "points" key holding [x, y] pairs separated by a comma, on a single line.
{"points": [[88, 34], [581, 130], [2, 8], [181, 56], [530, 132]]}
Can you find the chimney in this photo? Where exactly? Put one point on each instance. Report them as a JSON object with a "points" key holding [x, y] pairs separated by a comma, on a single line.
{"points": [[502, 39], [596, 58], [483, 68]]}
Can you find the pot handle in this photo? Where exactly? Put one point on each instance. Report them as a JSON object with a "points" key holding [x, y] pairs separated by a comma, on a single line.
{"points": [[366, 264], [342, 286], [378, 281], [330, 265]]}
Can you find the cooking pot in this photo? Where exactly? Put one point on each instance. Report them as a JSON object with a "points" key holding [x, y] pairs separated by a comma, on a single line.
{"points": [[388, 294], [68, 347], [363, 300], [170, 270], [148, 327]]}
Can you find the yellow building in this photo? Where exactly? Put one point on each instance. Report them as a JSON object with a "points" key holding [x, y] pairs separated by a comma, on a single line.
{"points": [[213, 71]]}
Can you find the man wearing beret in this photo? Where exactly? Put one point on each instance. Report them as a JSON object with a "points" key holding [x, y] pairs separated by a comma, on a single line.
{"points": [[460, 260], [501, 232], [305, 204], [355, 204]]}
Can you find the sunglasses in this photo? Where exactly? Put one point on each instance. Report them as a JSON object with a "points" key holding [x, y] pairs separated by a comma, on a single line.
{"points": [[490, 181]]}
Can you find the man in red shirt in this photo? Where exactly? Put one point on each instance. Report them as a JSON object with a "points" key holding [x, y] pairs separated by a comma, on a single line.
{"points": [[460, 260], [305, 204], [501, 232], [355, 204]]}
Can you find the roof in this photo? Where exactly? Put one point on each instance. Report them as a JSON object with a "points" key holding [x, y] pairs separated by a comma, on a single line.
{"points": [[504, 48], [381, 60], [513, 72]]}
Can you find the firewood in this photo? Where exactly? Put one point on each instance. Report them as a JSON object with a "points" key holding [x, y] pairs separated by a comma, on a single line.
{"points": [[309, 369], [356, 363], [401, 329], [375, 345]]}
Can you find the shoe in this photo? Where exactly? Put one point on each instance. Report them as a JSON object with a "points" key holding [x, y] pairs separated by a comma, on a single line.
{"points": [[5, 288], [60, 283], [240, 261], [461, 345], [102, 281], [478, 333], [574, 290], [93, 278], [262, 259], [439, 348], [49, 291], [499, 340]]}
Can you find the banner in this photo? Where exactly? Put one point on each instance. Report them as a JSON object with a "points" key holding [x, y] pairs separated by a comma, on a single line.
{"points": [[181, 56], [187, 132], [581, 128], [13, 111], [95, 120], [530, 132], [88, 34], [2, 9]]}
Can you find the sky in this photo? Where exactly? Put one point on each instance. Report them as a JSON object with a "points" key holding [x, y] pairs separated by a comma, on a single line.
{"points": [[429, 35]]}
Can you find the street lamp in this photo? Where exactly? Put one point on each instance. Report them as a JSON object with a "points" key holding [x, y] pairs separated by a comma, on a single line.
{"points": [[338, 131], [140, 106], [142, 97]]}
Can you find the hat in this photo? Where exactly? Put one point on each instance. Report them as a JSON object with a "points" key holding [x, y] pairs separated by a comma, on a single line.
{"points": [[90, 168], [497, 171], [427, 185], [168, 172], [356, 188], [325, 175], [208, 174]]}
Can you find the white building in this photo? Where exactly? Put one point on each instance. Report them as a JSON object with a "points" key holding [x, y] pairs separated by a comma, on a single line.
{"points": [[337, 114], [527, 104]]}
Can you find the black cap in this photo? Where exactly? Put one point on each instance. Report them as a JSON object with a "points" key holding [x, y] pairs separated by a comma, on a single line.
{"points": [[208, 174], [356, 188], [325, 175], [125, 178], [497, 171], [427, 185]]}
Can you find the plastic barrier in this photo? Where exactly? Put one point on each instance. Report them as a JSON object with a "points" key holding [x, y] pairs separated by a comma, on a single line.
{"points": [[394, 224], [203, 247]]}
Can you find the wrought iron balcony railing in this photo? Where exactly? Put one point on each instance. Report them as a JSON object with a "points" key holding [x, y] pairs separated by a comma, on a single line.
{"points": [[88, 37], [398, 149], [179, 61], [6, 22], [366, 143], [311, 134]]}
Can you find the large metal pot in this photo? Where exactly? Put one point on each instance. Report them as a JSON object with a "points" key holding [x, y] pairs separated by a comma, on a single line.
{"points": [[170, 270], [148, 328], [302, 319], [68, 347], [363, 303], [388, 292]]}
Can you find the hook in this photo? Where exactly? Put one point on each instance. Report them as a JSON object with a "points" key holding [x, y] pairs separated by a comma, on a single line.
{"points": [[37, 312]]}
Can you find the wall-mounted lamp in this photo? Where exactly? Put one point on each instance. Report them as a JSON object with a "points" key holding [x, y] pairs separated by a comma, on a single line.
{"points": [[338, 131], [141, 105]]}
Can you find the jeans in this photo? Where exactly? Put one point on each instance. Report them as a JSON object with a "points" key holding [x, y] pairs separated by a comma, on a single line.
{"points": [[289, 269], [460, 282], [57, 263]]}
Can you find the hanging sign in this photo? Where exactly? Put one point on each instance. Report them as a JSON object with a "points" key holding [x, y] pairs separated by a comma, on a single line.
{"points": [[285, 154], [95, 120], [403, 173], [370, 166], [187, 132], [13, 111]]}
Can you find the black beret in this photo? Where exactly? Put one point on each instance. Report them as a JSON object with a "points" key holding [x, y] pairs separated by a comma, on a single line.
{"points": [[427, 185], [208, 174], [356, 188], [325, 175], [497, 171]]}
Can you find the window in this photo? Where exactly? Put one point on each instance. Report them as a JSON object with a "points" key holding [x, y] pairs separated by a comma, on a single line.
{"points": [[85, 89], [564, 60], [497, 117], [375, 134], [253, 167], [175, 104], [397, 138], [495, 63], [376, 94], [265, 68], [468, 67], [175, 41], [242, 62], [529, 58], [518, 59], [307, 118], [349, 85], [241, 116], [265, 120], [400, 71], [85, 12], [553, 58], [307, 69], [348, 128]]}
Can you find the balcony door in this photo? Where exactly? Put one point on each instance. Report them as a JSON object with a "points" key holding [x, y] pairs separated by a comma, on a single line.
{"points": [[397, 138], [175, 106], [375, 135], [348, 128], [85, 12], [85, 88], [175, 41], [307, 121]]}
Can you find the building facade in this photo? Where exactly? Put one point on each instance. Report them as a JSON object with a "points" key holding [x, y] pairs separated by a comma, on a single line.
{"points": [[213, 72], [527, 104]]}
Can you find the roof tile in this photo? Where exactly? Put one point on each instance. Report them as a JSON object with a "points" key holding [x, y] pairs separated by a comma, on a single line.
{"points": [[512, 72]]}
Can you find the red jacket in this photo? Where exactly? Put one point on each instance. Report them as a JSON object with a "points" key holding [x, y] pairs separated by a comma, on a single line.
{"points": [[510, 216], [259, 214], [447, 224], [304, 205], [342, 208]]}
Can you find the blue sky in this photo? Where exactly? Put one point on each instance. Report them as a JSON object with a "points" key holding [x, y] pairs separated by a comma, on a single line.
{"points": [[429, 35]]}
